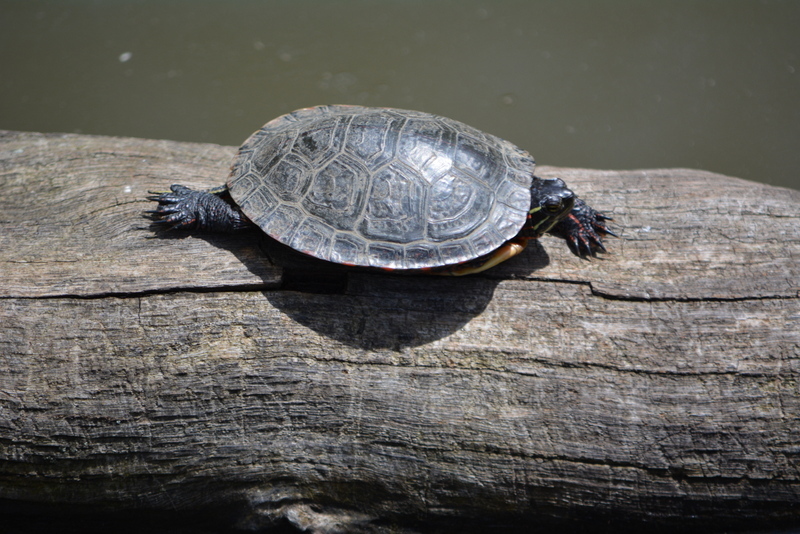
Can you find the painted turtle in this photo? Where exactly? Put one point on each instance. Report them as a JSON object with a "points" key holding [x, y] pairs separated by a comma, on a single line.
{"points": [[387, 188]]}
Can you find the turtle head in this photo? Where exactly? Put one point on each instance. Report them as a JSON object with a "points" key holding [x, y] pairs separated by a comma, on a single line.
{"points": [[551, 201]]}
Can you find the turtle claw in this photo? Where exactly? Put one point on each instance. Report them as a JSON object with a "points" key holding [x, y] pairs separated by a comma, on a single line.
{"points": [[165, 209], [174, 222], [159, 196], [584, 229], [176, 208], [599, 245], [606, 231], [182, 208]]}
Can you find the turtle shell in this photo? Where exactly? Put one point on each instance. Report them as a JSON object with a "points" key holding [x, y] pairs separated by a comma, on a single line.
{"points": [[380, 187]]}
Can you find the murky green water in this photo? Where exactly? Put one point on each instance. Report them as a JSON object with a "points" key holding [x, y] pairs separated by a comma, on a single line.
{"points": [[712, 84]]}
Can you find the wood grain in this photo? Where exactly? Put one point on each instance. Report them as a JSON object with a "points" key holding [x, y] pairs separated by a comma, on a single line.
{"points": [[655, 385]]}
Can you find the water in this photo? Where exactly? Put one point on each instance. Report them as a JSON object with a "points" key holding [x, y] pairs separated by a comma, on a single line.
{"points": [[713, 85]]}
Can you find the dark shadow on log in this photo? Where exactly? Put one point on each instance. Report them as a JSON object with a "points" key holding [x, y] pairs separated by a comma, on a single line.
{"points": [[39, 518], [371, 310], [363, 308], [388, 312], [240, 244], [47, 518]]}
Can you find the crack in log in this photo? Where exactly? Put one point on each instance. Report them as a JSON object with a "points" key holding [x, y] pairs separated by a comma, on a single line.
{"points": [[634, 298], [548, 364], [237, 288], [678, 474]]}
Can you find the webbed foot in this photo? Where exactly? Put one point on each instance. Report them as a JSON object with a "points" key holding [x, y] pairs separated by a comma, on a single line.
{"points": [[584, 229], [182, 208]]}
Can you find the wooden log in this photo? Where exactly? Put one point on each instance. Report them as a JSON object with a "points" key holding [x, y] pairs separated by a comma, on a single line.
{"points": [[656, 385]]}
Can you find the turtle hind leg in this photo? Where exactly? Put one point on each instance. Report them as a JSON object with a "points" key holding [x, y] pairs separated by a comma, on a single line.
{"points": [[182, 208], [584, 229], [508, 250]]}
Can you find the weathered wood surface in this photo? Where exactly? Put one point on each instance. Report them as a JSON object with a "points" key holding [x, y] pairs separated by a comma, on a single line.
{"points": [[658, 383]]}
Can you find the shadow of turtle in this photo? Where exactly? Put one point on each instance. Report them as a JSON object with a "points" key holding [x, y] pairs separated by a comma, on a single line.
{"points": [[373, 310], [367, 309]]}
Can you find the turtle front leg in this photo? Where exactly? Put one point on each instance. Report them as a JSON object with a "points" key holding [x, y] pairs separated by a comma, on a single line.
{"points": [[186, 209], [584, 229]]}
